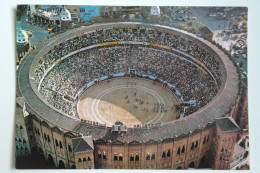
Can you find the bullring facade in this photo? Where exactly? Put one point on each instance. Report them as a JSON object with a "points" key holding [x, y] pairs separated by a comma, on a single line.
{"points": [[201, 137]]}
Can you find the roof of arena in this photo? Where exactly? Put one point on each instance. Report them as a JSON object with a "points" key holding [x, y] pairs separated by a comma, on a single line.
{"points": [[216, 108]]}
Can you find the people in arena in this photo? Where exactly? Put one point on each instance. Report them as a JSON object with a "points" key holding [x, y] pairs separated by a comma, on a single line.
{"points": [[61, 85]]}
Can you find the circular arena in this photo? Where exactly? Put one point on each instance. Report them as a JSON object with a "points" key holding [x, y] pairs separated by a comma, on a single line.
{"points": [[127, 85]]}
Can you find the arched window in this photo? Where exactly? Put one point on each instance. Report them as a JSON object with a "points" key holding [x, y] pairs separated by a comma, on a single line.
{"points": [[15, 139], [148, 156], [89, 158], [20, 140], [45, 137], [70, 149], [196, 144], [168, 153], [26, 149], [17, 147], [21, 148], [153, 157], [115, 157], [60, 144], [131, 158], [183, 149], [192, 146], [204, 140], [163, 155], [21, 127], [24, 141], [56, 142], [80, 160], [84, 159], [48, 137], [120, 157], [208, 138], [136, 157], [222, 150], [179, 150], [220, 158], [99, 155]]}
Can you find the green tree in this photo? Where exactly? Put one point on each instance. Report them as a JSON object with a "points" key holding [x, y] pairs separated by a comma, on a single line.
{"points": [[235, 25], [202, 26], [232, 19], [244, 23], [190, 23], [166, 16], [245, 17], [240, 18], [193, 29], [181, 26]]}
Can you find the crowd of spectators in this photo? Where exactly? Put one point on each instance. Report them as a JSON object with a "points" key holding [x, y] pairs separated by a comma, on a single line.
{"points": [[61, 85]]}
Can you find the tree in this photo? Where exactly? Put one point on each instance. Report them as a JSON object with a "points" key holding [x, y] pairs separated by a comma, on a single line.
{"points": [[240, 18], [181, 26], [197, 23], [190, 23], [193, 29], [245, 17], [202, 26], [236, 25], [232, 19], [166, 17], [244, 23]]}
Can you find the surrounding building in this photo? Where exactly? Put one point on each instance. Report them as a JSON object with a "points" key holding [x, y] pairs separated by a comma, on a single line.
{"points": [[108, 11], [22, 42], [86, 12], [155, 11]]}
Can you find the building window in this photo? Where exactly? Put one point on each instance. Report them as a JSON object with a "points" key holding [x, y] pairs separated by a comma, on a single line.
{"points": [[82, 10], [183, 149], [148, 156], [45, 137], [21, 148], [15, 139], [163, 155], [204, 140], [24, 141], [196, 144], [208, 138], [60, 144], [56, 142], [84, 159], [21, 127], [137, 158], [89, 159], [153, 157], [26, 149], [120, 158], [222, 149], [168, 153], [179, 150], [99, 155], [48, 137], [17, 147], [70, 149], [20, 140], [115, 157], [131, 158], [192, 146], [80, 160]]}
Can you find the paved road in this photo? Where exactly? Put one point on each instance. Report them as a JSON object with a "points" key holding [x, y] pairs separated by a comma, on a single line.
{"points": [[38, 33]]}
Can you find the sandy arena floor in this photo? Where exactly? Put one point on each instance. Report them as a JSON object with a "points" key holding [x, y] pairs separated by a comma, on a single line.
{"points": [[133, 101]]}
